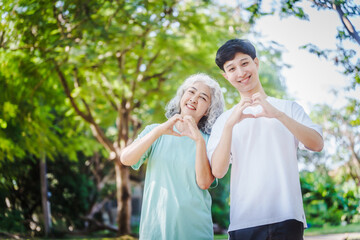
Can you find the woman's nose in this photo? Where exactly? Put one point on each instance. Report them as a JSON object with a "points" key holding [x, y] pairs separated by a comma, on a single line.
{"points": [[193, 99]]}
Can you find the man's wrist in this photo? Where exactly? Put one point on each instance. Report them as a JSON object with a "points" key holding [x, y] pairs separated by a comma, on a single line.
{"points": [[280, 116], [229, 125]]}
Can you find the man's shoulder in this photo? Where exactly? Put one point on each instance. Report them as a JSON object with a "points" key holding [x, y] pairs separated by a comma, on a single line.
{"points": [[225, 115], [282, 103], [279, 100]]}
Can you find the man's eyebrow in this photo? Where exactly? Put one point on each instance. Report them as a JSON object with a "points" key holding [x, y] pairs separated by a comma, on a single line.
{"points": [[230, 64]]}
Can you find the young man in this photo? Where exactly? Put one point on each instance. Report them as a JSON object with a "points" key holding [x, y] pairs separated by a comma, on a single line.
{"points": [[259, 136]]}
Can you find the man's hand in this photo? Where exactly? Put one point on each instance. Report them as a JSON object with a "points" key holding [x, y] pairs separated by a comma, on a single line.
{"points": [[268, 110], [238, 114]]}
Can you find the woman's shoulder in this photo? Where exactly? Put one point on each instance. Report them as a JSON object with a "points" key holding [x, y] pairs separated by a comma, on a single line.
{"points": [[148, 128], [152, 126], [205, 135]]}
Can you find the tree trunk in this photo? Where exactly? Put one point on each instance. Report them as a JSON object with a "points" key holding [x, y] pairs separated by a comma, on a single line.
{"points": [[123, 196], [44, 196]]}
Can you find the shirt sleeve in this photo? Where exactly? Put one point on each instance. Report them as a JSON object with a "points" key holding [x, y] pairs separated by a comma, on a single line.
{"points": [[299, 114], [146, 155]]}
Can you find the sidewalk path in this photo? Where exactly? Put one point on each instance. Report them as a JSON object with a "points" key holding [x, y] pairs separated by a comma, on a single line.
{"points": [[341, 236]]}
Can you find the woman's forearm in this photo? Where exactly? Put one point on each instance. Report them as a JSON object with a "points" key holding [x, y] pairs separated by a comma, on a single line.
{"points": [[132, 153], [204, 177]]}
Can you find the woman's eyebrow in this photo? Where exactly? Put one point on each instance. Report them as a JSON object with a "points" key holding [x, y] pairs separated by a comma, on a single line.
{"points": [[201, 92], [205, 94]]}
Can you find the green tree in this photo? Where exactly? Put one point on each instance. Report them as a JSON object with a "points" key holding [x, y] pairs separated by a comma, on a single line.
{"points": [[331, 190], [341, 133], [347, 10], [116, 61], [33, 121], [328, 200]]}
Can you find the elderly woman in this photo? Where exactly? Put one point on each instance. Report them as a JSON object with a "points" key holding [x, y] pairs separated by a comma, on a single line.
{"points": [[176, 204]]}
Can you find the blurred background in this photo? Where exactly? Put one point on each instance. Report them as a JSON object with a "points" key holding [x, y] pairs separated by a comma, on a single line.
{"points": [[80, 79]]}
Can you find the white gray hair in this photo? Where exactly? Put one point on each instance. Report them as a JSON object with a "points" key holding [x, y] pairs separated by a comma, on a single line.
{"points": [[216, 106]]}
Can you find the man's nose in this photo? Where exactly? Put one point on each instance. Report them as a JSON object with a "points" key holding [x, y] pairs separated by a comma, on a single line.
{"points": [[240, 72]]}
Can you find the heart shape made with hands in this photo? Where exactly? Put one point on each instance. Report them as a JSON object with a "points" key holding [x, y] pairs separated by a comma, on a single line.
{"points": [[253, 110], [182, 127]]}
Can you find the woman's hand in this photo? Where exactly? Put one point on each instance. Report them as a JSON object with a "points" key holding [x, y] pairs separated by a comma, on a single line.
{"points": [[168, 126], [191, 129]]}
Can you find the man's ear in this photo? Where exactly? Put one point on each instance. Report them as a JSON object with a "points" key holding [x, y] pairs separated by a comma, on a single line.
{"points": [[225, 75], [257, 62]]}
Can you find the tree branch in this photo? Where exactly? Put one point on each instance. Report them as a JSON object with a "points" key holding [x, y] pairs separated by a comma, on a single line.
{"points": [[105, 83], [59, 20], [347, 24], [96, 130], [86, 117]]}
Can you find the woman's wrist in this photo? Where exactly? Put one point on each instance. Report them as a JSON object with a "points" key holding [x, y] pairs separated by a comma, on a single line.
{"points": [[200, 140], [158, 131]]}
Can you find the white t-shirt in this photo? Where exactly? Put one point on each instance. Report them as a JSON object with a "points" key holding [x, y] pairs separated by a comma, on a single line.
{"points": [[265, 185]]}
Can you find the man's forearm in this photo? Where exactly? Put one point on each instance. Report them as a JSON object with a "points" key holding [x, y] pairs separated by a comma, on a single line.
{"points": [[221, 157], [308, 136]]}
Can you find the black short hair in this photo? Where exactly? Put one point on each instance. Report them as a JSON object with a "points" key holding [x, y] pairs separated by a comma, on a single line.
{"points": [[227, 51]]}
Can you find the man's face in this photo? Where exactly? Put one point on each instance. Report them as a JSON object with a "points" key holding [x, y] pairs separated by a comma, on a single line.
{"points": [[242, 73]]}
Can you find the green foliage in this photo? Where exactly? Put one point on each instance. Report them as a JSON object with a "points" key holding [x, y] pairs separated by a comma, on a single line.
{"points": [[345, 58], [326, 201], [220, 208], [33, 110], [72, 192], [328, 229], [20, 192], [341, 130], [65, 65], [77, 189], [12, 221]]}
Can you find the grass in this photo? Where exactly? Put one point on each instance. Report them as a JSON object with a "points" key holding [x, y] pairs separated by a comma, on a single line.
{"points": [[223, 236], [327, 229]]}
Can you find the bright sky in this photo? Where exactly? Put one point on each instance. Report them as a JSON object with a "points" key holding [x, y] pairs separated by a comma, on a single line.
{"points": [[310, 79]]}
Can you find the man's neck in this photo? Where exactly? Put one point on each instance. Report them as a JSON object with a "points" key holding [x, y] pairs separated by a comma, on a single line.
{"points": [[252, 92]]}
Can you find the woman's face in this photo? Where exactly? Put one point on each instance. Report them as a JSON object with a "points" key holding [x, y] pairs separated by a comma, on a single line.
{"points": [[196, 101]]}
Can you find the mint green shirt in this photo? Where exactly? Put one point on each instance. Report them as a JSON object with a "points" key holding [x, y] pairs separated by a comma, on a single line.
{"points": [[173, 207]]}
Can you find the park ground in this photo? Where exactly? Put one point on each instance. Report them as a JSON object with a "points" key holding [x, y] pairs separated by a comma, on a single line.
{"points": [[338, 236]]}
